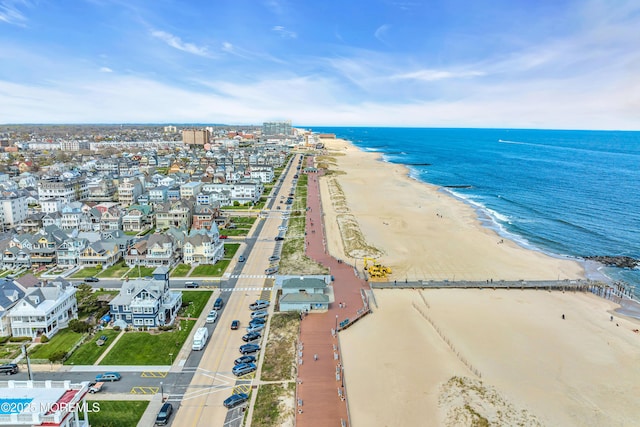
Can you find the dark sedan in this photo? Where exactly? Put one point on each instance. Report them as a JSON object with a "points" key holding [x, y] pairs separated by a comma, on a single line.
{"points": [[235, 400]]}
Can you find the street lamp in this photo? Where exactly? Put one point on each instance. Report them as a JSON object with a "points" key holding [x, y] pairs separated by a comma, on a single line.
{"points": [[161, 392], [170, 359], [336, 323]]}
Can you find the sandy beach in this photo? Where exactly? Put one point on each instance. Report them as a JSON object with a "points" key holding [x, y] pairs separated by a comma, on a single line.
{"points": [[417, 230], [459, 357]]}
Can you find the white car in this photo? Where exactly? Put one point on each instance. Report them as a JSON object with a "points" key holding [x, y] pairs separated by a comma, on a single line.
{"points": [[282, 228], [212, 316]]}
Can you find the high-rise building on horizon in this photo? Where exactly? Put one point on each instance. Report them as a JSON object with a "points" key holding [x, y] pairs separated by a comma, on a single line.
{"points": [[196, 136], [277, 128]]}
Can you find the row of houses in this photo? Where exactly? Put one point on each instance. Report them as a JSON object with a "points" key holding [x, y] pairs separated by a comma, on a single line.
{"points": [[52, 246], [30, 308]]}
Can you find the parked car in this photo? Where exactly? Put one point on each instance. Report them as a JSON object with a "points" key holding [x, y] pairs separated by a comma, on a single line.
{"points": [[95, 387], [212, 316], [217, 305], [258, 321], [244, 369], [258, 305], [108, 376], [271, 270], [191, 285], [255, 328], [283, 228], [245, 359], [251, 336], [259, 314], [9, 369], [274, 258], [241, 258], [91, 279], [249, 348], [103, 339], [235, 324], [235, 400], [164, 414], [222, 236]]}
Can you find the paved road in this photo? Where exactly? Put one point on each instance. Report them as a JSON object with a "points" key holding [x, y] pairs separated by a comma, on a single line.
{"points": [[212, 382]]}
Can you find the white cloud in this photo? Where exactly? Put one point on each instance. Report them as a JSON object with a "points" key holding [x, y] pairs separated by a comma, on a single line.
{"points": [[433, 75], [10, 13], [381, 33], [284, 33], [106, 70], [177, 43]]}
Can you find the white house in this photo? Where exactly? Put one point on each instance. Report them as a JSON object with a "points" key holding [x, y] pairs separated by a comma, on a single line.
{"points": [[44, 310], [304, 293]]}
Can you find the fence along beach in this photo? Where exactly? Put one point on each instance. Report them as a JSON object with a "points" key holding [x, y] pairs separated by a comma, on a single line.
{"points": [[528, 363]]}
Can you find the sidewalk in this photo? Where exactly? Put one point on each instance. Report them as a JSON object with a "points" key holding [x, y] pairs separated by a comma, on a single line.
{"points": [[320, 382]]}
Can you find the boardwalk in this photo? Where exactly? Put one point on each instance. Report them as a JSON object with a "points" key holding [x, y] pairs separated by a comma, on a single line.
{"points": [[320, 383]]}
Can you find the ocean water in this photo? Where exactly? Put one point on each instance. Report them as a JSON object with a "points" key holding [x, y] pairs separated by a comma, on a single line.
{"points": [[567, 193]]}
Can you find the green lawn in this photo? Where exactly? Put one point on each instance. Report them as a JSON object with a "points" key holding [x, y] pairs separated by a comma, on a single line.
{"points": [[247, 220], [236, 231], [197, 300], [144, 348], [62, 341], [141, 271], [89, 352], [208, 270], [117, 270], [230, 249], [86, 272], [115, 413], [181, 270]]}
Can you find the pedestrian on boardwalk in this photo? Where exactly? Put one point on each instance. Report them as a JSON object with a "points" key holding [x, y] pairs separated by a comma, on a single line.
{"points": [[315, 356]]}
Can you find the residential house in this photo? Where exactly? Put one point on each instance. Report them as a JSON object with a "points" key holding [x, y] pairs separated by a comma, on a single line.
{"points": [[137, 218], [190, 189], [158, 194], [10, 294], [204, 216], [69, 251], [129, 191], [52, 218], [144, 303], [111, 219], [103, 253], [203, 247], [44, 310], [177, 214], [157, 249], [13, 208], [32, 223]]}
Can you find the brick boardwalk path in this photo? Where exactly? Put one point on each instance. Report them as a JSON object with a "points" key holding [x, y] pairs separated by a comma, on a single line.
{"points": [[318, 383]]}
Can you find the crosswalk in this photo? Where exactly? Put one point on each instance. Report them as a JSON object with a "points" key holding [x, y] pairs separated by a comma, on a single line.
{"points": [[249, 276], [244, 289]]}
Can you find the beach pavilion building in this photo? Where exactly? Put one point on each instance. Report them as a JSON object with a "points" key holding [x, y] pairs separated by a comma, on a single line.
{"points": [[305, 293]]}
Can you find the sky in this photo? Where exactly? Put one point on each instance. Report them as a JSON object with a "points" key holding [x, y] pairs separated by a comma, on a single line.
{"points": [[554, 64]]}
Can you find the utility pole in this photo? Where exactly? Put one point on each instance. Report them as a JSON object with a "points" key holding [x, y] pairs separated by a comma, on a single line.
{"points": [[26, 355]]}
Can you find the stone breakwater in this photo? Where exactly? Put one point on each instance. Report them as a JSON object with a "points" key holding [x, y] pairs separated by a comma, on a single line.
{"points": [[616, 261]]}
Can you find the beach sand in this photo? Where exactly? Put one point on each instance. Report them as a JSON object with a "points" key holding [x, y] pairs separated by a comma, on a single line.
{"points": [[420, 232], [455, 357]]}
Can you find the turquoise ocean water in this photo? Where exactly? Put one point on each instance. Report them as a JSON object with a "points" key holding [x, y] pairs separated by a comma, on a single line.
{"points": [[570, 193]]}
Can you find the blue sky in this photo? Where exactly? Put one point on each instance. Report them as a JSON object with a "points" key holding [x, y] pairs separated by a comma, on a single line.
{"points": [[441, 63]]}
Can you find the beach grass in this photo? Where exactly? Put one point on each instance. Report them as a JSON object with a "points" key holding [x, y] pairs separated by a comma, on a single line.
{"points": [[268, 410], [279, 360]]}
